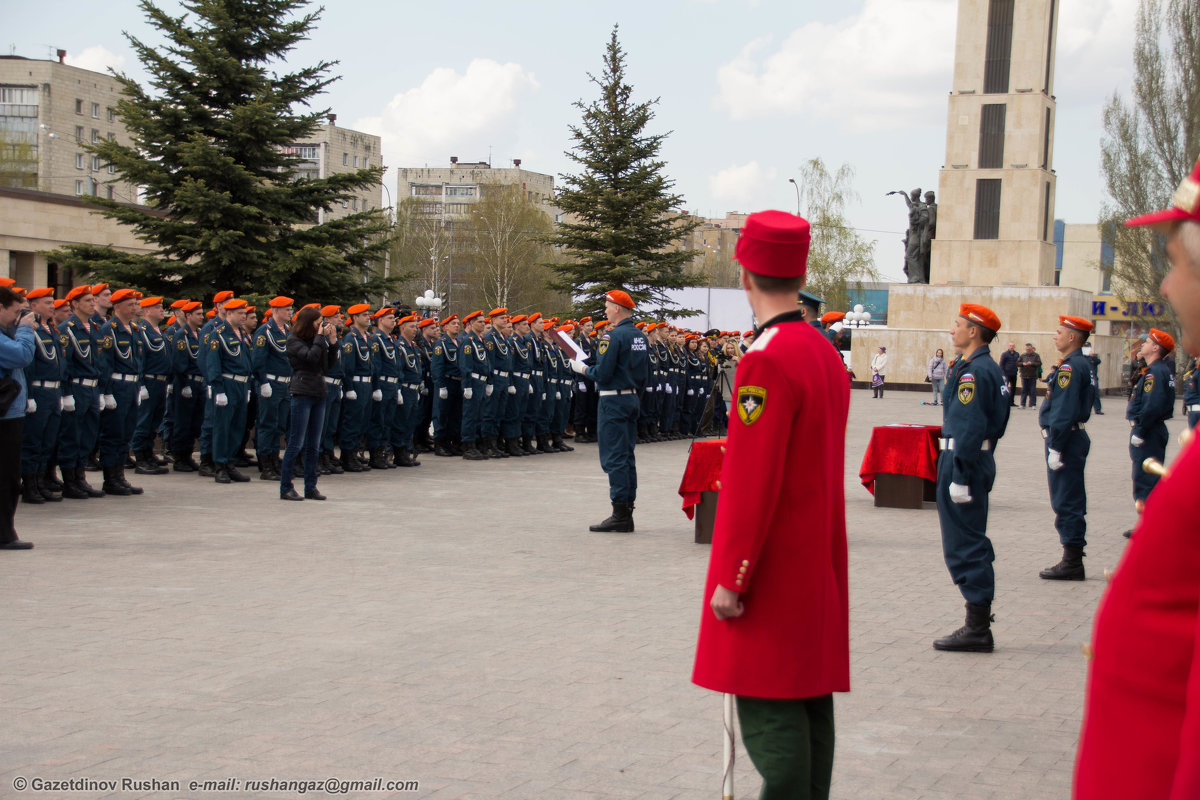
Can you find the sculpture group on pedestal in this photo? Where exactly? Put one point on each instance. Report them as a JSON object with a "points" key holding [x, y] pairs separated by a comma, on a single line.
{"points": [[922, 228]]}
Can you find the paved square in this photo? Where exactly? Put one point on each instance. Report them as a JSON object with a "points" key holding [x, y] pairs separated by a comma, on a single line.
{"points": [[458, 626]]}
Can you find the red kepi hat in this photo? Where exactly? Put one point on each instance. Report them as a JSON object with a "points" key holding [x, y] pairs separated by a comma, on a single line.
{"points": [[1185, 205], [774, 244]]}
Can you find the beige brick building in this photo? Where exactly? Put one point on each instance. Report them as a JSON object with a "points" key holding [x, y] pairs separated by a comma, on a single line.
{"points": [[449, 192], [333, 150]]}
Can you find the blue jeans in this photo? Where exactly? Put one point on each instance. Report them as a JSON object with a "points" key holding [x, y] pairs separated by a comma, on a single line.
{"points": [[307, 418], [938, 385]]}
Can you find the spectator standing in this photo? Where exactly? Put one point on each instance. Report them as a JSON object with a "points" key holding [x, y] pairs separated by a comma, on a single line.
{"points": [[310, 353], [878, 370], [937, 374], [1008, 367], [1029, 365], [1089, 353]]}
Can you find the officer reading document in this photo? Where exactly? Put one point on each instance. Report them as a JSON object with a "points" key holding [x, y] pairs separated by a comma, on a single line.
{"points": [[775, 630]]}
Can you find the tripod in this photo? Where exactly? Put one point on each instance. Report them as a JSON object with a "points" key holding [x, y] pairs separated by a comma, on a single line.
{"points": [[708, 426]]}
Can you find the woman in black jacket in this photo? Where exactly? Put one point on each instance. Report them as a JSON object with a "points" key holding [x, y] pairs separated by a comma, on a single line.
{"points": [[310, 351]]}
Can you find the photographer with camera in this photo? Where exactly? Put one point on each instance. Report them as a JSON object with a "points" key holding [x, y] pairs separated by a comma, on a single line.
{"points": [[16, 353]]}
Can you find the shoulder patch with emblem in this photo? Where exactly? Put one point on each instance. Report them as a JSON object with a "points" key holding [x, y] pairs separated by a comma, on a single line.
{"points": [[437, 350], [181, 345], [260, 341], [214, 344], [466, 348], [107, 343], [751, 401], [1064, 376], [62, 339], [966, 389], [1149, 384], [488, 344], [603, 348], [374, 347]]}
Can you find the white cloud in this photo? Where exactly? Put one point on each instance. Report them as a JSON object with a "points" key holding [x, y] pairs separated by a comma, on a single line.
{"points": [[887, 67], [1095, 49], [741, 186], [97, 58], [451, 114]]}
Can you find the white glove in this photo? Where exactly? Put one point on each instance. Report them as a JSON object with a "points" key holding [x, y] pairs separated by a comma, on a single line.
{"points": [[377, 395], [658, 388], [444, 393], [265, 390], [557, 396], [185, 391], [110, 402], [399, 398], [1054, 459], [543, 399], [531, 388], [221, 400], [468, 393], [1136, 440], [582, 386], [30, 406], [247, 395], [351, 395], [668, 389], [424, 389], [487, 390], [143, 394], [960, 493], [512, 389], [99, 402], [691, 392], [578, 366], [68, 402]]}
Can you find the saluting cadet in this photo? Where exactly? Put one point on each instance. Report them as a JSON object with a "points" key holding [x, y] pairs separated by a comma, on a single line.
{"points": [[358, 370], [974, 417], [228, 370], [619, 373], [387, 382], [447, 386], [80, 429], [43, 410], [522, 366], [585, 388], [427, 336], [207, 468], [1191, 395], [120, 374], [409, 399], [500, 366], [776, 630], [156, 381], [188, 390], [1151, 404], [331, 315], [473, 368], [1066, 409], [273, 372]]}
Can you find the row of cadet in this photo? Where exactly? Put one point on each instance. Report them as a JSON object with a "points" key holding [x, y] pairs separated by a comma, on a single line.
{"points": [[115, 373]]}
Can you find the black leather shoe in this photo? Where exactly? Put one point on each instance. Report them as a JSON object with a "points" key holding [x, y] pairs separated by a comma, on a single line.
{"points": [[313, 494], [290, 494], [236, 476], [1069, 569], [16, 544], [621, 520], [973, 637], [221, 474]]}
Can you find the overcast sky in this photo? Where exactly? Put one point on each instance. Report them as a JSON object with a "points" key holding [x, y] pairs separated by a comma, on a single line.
{"points": [[749, 89]]}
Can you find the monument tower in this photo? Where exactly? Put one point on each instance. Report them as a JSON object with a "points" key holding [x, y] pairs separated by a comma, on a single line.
{"points": [[995, 219]]}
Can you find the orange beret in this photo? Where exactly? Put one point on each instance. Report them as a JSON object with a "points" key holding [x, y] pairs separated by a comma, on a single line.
{"points": [[317, 306], [601, 324], [980, 315], [60, 302], [98, 288], [358, 308], [7, 282], [1162, 339], [234, 305], [211, 313], [547, 325], [251, 309], [639, 325], [472, 316], [190, 306], [281, 302], [330, 311], [1076, 323], [620, 297], [584, 319], [831, 317], [147, 302], [517, 318], [747, 333], [497, 312], [566, 328], [534, 317], [120, 295], [409, 318], [449, 319], [34, 294], [383, 312], [178, 304], [425, 323], [221, 297]]}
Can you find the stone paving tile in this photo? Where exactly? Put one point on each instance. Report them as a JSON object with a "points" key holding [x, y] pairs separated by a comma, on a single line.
{"points": [[457, 625]]}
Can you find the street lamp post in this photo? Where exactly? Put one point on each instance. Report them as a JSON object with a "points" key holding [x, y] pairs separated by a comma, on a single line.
{"points": [[429, 304], [796, 186]]}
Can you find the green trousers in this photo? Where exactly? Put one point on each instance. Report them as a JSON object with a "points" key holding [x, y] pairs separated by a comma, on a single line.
{"points": [[790, 743]]}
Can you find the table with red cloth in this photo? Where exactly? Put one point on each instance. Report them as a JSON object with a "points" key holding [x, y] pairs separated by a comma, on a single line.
{"points": [[901, 450], [700, 484]]}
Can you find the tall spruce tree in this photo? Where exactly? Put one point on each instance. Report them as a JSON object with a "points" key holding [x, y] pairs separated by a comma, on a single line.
{"points": [[622, 229], [225, 206]]}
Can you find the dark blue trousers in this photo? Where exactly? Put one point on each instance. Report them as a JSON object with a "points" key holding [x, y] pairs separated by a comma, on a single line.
{"points": [[333, 415], [187, 414], [149, 415], [616, 433], [80, 429], [41, 430], [1068, 497], [1154, 446], [447, 414], [229, 423], [472, 409], [271, 420], [965, 544], [116, 426]]}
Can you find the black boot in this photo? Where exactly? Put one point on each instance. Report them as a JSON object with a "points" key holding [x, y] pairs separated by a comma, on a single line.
{"points": [[243, 459], [207, 468], [1069, 569], [513, 448], [48, 494], [121, 477], [81, 482], [455, 446], [527, 446], [221, 474], [112, 483], [232, 473], [335, 466], [621, 520], [50, 482], [472, 453], [404, 458], [492, 451], [268, 467], [350, 462], [543, 443], [323, 464], [560, 446], [184, 462], [440, 448], [378, 458], [71, 488], [974, 637], [29, 492], [147, 464]]}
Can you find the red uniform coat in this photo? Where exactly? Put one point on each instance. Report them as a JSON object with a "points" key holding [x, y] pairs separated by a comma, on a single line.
{"points": [[780, 534], [1141, 719]]}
